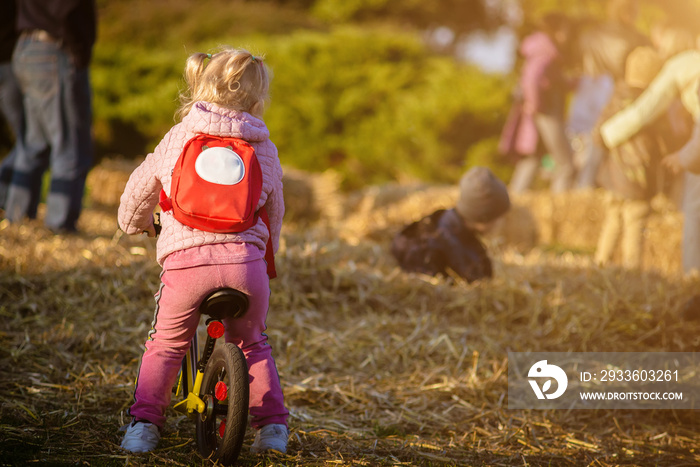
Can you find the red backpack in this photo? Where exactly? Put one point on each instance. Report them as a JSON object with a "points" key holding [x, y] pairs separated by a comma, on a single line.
{"points": [[216, 186]]}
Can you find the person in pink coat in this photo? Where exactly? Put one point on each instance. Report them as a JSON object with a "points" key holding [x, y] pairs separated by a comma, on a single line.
{"points": [[538, 111], [226, 96]]}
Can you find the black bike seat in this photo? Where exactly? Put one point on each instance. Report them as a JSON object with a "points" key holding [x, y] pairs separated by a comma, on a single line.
{"points": [[224, 303]]}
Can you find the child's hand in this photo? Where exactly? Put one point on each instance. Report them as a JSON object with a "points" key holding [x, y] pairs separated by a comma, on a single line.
{"points": [[151, 231]]}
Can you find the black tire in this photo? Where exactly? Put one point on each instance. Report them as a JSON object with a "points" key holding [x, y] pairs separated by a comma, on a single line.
{"points": [[226, 364]]}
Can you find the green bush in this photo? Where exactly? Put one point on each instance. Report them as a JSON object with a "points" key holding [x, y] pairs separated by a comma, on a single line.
{"points": [[135, 96], [374, 105]]}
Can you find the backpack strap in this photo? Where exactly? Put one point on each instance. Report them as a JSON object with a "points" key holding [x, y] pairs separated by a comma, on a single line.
{"points": [[269, 254], [165, 203]]}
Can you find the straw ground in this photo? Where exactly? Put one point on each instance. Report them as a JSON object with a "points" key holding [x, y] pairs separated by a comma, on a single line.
{"points": [[379, 367]]}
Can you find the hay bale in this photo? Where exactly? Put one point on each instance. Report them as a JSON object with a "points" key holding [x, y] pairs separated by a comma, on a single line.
{"points": [[299, 200], [518, 228], [378, 212], [310, 197], [573, 220], [106, 181]]}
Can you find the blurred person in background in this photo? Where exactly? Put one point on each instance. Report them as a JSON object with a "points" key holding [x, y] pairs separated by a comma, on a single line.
{"points": [[10, 94], [448, 239], [688, 159], [538, 112], [590, 98], [604, 49], [671, 39], [51, 62], [630, 171], [606, 46], [679, 78]]}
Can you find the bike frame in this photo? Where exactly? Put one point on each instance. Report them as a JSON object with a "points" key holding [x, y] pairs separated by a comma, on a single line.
{"points": [[192, 373]]}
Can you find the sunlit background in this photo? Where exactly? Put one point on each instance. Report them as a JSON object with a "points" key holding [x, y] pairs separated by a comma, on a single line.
{"points": [[377, 90], [378, 107]]}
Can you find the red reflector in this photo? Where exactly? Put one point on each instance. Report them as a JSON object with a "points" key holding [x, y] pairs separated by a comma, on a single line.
{"points": [[221, 391], [215, 329], [222, 428]]}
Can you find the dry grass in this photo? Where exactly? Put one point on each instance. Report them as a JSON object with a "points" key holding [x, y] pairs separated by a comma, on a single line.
{"points": [[378, 367]]}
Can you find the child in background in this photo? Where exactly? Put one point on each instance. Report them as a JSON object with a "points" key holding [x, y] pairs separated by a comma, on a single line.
{"points": [[448, 239], [226, 95], [631, 170]]}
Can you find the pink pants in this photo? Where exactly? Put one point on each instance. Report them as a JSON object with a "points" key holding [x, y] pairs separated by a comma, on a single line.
{"points": [[175, 322]]}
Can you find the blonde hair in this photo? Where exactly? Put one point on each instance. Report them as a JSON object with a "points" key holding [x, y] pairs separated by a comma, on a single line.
{"points": [[231, 78]]}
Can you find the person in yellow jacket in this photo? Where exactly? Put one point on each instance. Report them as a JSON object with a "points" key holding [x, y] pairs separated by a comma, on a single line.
{"points": [[678, 78]]}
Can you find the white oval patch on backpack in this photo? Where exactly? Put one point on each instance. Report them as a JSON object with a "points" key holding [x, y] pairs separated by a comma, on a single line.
{"points": [[220, 165]]}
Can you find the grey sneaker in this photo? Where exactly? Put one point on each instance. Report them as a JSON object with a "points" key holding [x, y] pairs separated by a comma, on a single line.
{"points": [[141, 437], [271, 437]]}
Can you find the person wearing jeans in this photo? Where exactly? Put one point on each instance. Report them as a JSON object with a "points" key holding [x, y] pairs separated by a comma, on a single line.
{"points": [[50, 62], [10, 94], [12, 110]]}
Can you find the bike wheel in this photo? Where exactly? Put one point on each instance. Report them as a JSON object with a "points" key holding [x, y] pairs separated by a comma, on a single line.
{"points": [[221, 427]]}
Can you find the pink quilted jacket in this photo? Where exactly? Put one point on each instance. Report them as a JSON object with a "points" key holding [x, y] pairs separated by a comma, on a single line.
{"points": [[140, 196]]}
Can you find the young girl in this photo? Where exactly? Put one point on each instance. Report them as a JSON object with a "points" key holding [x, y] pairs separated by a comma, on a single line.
{"points": [[226, 97]]}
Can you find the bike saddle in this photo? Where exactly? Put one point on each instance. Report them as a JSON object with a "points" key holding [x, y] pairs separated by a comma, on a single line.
{"points": [[224, 303]]}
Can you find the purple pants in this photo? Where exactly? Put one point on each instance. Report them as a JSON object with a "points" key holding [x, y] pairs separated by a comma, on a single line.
{"points": [[175, 322]]}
